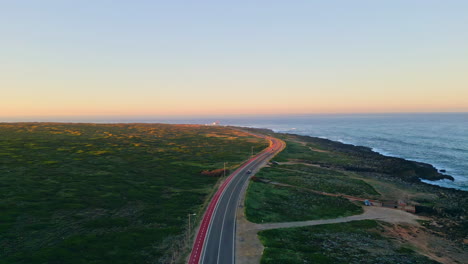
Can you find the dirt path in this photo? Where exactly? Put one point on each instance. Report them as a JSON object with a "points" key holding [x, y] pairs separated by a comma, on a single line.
{"points": [[370, 212], [311, 148], [250, 249], [299, 163]]}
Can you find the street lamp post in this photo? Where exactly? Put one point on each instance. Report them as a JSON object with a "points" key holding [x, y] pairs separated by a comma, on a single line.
{"points": [[189, 226], [224, 171]]}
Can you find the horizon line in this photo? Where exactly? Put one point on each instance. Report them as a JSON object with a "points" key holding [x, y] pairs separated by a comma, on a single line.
{"points": [[138, 118]]}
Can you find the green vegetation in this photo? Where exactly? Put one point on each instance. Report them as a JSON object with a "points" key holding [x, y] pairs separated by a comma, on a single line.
{"points": [[318, 179], [354, 242], [269, 203], [300, 151], [88, 193]]}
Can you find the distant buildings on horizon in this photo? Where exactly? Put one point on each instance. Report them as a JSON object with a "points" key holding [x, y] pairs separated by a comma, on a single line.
{"points": [[215, 123]]}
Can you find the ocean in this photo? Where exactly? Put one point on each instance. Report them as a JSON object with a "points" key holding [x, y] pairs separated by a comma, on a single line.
{"points": [[440, 139]]}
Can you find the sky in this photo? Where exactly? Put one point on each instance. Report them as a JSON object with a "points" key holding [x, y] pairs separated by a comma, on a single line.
{"points": [[170, 58]]}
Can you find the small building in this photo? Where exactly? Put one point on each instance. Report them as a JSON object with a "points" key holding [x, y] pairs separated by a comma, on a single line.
{"points": [[390, 204]]}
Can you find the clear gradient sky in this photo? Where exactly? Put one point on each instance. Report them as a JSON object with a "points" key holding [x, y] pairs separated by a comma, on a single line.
{"points": [[129, 58]]}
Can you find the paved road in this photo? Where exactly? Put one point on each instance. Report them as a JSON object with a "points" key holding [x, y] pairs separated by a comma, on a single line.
{"points": [[215, 242]]}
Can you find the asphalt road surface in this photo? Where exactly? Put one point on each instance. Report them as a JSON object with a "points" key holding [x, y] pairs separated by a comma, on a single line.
{"points": [[217, 244]]}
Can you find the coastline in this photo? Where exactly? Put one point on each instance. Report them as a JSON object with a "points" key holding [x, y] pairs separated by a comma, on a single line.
{"points": [[440, 182], [444, 182], [442, 177]]}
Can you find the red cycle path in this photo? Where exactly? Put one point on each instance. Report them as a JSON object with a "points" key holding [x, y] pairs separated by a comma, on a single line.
{"points": [[200, 239]]}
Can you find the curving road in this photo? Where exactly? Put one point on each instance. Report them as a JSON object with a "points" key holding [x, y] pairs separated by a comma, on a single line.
{"points": [[215, 241]]}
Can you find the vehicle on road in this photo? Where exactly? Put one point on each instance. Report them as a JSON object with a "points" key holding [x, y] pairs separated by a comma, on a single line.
{"points": [[215, 240]]}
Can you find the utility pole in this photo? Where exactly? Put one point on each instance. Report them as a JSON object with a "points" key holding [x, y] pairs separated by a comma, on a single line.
{"points": [[224, 171], [189, 227], [252, 151]]}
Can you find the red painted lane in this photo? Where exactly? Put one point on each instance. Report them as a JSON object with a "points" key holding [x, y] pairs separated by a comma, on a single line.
{"points": [[200, 239]]}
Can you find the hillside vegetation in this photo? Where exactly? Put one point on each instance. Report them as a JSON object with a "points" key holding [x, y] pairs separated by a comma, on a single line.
{"points": [[121, 193], [355, 242]]}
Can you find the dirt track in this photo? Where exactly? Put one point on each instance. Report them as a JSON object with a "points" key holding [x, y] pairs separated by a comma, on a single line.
{"points": [[370, 212], [250, 249]]}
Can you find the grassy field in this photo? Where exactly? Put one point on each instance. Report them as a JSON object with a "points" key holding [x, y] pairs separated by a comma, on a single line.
{"points": [[266, 203], [319, 179], [271, 203], [302, 151], [354, 242], [87, 193]]}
